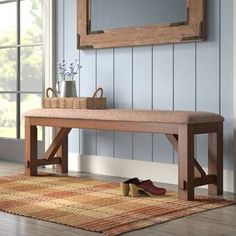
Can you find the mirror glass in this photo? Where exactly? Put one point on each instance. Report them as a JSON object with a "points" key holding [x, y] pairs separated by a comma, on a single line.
{"points": [[111, 14]]}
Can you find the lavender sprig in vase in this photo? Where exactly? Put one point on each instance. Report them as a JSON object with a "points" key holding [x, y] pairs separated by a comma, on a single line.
{"points": [[66, 81]]}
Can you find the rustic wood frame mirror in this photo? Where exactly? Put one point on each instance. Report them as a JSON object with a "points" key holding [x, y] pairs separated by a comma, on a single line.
{"points": [[193, 29]]}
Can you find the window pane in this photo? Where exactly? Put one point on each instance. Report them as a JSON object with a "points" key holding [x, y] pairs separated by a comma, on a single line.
{"points": [[8, 70], [29, 101], [31, 21], [8, 115], [31, 69], [8, 24]]}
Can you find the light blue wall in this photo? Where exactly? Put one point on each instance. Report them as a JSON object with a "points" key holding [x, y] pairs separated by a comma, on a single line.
{"points": [[189, 76]]}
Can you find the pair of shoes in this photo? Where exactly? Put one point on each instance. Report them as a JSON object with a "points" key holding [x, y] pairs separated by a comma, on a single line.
{"points": [[134, 185]]}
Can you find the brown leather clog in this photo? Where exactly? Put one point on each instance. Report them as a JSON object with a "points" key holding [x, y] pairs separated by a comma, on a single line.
{"points": [[146, 186]]}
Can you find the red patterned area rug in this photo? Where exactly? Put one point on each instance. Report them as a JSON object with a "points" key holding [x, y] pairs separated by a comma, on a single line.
{"points": [[93, 205]]}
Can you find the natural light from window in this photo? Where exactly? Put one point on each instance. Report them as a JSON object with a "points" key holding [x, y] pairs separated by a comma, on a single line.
{"points": [[21, 63]]}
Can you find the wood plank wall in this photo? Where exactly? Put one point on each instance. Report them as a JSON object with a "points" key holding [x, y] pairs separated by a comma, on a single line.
{"points": [[189, 76]]}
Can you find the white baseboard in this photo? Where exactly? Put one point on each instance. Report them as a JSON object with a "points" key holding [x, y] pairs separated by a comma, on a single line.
{"points": [[159, 172]]}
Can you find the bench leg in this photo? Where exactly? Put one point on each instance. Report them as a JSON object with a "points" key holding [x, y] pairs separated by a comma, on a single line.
{"points": [[30, 148], [186, 163], [215, 160], [63, 153]]}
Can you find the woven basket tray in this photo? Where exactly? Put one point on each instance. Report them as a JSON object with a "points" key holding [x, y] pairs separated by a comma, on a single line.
{"points": [[93, 102]]}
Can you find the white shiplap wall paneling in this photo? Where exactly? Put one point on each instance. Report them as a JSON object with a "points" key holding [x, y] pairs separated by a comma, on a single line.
{"points": [[123, 87], [162, 97], [142, 98], [105, 65], [88, 138], [184, 76]]}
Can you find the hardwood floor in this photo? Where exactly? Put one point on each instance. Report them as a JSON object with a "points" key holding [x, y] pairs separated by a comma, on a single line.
{"points": [[211, 223]]}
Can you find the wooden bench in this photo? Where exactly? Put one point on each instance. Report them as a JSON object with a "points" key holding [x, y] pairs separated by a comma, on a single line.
{"points": [[178, 126]]}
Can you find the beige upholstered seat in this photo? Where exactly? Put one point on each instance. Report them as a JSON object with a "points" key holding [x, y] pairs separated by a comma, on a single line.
{"points": [[160, 116]]}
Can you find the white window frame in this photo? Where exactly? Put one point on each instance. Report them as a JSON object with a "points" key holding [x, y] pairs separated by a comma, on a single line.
{"points": [[49, 23]]}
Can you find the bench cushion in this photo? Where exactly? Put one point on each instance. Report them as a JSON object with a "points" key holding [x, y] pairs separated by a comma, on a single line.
{"points": [[159, 116]]}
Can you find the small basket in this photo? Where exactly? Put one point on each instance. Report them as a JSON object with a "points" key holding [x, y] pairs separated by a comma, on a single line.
{"points": [[93, 102], [50, 102]]}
